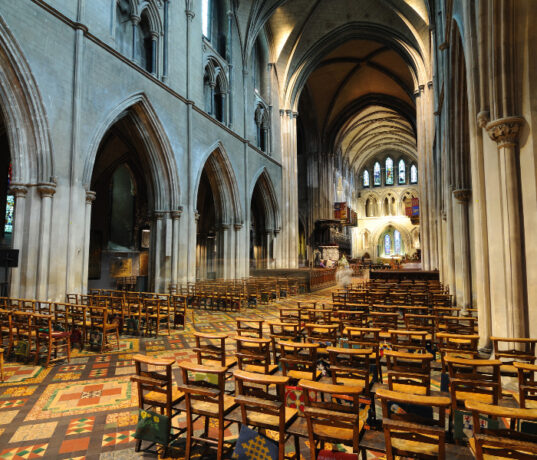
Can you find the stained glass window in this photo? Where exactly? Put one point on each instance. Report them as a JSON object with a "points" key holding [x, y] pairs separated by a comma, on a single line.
{"points": [[376, 174], [396, 242], [389, 171], [387, 244], [402, 172], [205, 18], [413, 174], [10, 207], [366, 178]]}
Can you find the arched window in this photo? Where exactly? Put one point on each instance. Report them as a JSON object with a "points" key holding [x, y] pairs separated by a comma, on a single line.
{"points": [[215, 90], [123, 191], [262, 122], [387, 244], [396, 242], [413, 174], [145, 52], [376, 174], [389, 171], [365, 180], [206, 18], [402, 172]]}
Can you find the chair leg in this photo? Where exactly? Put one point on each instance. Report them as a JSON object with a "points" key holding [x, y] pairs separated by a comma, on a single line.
{"points": [[220, 438], [49, 352], [68, 350]]}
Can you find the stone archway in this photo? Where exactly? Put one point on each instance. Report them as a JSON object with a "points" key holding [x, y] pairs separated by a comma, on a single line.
{"points": [[132, 138], [218, 219]]}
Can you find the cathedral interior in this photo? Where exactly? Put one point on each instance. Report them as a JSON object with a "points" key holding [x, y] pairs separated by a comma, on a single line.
{"points": [[171, 170]]}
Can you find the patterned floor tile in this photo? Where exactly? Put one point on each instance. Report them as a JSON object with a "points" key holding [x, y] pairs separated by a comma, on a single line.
{"points": [[120, 437], [33, 432], [7, 416], [80, 426], [98, 373], [17, 373], [71, 368], [65, 376], [125, 370], [27, 452], [74, 445], [82, 397], [19, 391], [12, 403], [121, 419]]}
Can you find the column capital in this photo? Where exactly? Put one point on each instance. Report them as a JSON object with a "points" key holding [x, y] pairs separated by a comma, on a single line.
{"points": [[177, 213], [159, 214], [462, 195], [237, 227], [189, 11], [135, 19], [90, 196], [19, 190], [46, 189], [224, 226], [196, 216], [505, 131], [483, 118]]}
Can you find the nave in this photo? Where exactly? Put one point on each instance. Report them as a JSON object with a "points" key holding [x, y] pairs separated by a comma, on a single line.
{"points": [[401, 345]]}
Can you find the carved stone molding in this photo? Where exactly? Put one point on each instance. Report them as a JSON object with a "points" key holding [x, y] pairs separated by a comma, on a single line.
{"points": [[462, 195], [237, 227], [196, 216], [18, 190], [46, 189], [444, 216], [224, 226], [483, 118], [159, 214], [177, 213], [505, 131], [188, 9], [90, 196]]}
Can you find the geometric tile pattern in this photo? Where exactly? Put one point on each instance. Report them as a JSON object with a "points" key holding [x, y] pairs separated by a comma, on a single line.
{"points": [[34, 451], [121, 437], [75, 398], [12, 403], [80, 426], [22, 374]]}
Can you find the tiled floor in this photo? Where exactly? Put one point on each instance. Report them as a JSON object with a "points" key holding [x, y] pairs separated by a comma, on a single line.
{"points": [[87, 409]]}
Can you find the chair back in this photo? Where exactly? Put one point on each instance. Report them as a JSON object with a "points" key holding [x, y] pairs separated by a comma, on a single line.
{"points": [[409, 372], [254, 352], [210, 347], [299, 357], [351, 366], [410, 435]]}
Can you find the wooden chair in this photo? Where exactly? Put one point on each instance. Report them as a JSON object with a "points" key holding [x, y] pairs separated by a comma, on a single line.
{"points": [[6, 331], [261, 408], [282, 331], [383, 320], [99, 322], [80, 323], [205, 399], [178, 304], [24, 330], [409, 372], [518, 349], [156, 391], [473, 379], [250, 327], [463, 346], [323, 335], [366, 337], [501, 443], [331, 419], [409, 341], [210, 354], [253, 355], [409, 435], [299, 360], [527, 385], [54, 341], [156, 314]]}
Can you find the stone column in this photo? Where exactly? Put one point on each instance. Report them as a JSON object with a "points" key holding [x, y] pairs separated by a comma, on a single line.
{"points": [[238, 270], [90, 198], [47, 191], [224, 251], [135, 20], [463, 271], [176, 215], [505, 132], [165, 44], [19, 225], [154, 38], [157, 250]]}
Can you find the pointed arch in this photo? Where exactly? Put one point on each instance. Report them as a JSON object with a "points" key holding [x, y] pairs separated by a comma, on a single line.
{"points": [[270, 202], [405, 234], [24, 114], [163, 169], [224, 184]]}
